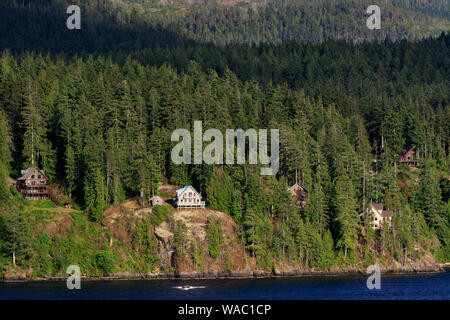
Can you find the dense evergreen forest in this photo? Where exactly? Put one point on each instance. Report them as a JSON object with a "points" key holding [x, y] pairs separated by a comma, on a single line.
{"points": [[95, 109], [255, 22], [107, 24]]}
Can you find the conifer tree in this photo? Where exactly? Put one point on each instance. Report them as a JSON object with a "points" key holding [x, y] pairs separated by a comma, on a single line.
{"points": [[346, 213], [219, 190], [15, 233], [5, 157]]}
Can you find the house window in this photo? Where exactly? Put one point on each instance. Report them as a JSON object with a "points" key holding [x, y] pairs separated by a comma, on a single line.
{"points": [[39, 176], [32, 177], [376, 226], [376, 218]]}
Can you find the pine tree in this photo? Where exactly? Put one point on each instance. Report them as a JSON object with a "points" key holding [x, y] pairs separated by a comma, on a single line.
{"points": [[301, 240], [15, 233], [431, 205], [214, 237], [327, 250], [347, 216], [235, 206], [219, 190], [5, 157], [37, 150]]}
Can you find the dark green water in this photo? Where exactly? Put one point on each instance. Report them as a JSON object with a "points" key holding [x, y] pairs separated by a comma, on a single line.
{"points": [[423, 287]]}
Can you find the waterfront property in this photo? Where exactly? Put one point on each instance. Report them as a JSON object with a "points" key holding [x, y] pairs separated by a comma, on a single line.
{"points": [[300, 194], [188, 197], [33, 184], [379, 216]]}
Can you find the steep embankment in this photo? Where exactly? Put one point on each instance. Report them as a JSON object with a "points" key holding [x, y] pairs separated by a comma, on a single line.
{"points": [[131, 242], [181, 244]]}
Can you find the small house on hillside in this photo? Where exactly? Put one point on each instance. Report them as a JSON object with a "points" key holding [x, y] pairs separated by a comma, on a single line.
{"points": [[379, 216], [188, 197], [155, 200], [300, 193], [33, 184], [407, 156]]}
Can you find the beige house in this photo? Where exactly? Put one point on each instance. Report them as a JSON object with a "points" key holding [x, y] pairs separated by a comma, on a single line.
{"points": [[188, 197], [379, 216], [33, 184]]}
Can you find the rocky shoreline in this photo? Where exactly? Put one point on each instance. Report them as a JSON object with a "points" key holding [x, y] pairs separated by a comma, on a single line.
{"points": [[228, 275]]}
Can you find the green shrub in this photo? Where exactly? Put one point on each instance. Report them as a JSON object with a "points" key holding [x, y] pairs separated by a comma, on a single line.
{"points": [[44, 238], [105, 261], [214, 237], [159, 213], [17, 196]]}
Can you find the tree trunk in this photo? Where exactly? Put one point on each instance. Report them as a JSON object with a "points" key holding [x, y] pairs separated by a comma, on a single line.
{"points": [[364, 185], [32, 145], [14, 258]]}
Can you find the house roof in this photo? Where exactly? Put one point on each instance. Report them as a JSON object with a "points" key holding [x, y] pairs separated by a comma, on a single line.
{"points": [[377, 206], [386, 213], [298, 185], [406, 150], [158, 198], [183, 190], [26, 173]]}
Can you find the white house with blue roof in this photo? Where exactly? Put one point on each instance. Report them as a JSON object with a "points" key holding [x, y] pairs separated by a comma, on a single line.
{"points": [[187, 197]]}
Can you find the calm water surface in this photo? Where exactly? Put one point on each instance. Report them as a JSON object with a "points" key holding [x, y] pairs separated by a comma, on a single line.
{"points": [[430, 286]]}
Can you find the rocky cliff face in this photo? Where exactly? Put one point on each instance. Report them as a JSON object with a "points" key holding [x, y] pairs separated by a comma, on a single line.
{"points": [[190, 258], [194, 260]]}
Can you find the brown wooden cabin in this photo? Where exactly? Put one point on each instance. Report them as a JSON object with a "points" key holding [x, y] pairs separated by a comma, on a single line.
{"points": [[407, 156], [33, 184], [300, 193]]}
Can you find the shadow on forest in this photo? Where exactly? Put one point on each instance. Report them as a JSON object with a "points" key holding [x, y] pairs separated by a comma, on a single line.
{"points": [[40, 27]]}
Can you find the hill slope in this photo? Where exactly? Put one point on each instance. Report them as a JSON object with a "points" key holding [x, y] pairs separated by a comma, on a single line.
{"points": [[254, 22], [128, 245]]}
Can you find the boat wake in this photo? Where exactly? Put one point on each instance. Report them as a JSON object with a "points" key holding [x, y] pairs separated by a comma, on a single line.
{"points": [[188, 287]]}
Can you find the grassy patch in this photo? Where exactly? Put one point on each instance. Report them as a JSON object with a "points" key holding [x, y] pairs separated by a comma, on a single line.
{"points": [[43, 203], [166, 195]]}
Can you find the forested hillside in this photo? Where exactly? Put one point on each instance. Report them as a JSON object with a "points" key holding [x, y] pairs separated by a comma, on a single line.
{"points": [[254, 22], [96, 108], [106, 22]]}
